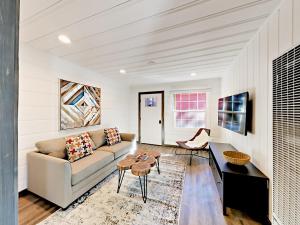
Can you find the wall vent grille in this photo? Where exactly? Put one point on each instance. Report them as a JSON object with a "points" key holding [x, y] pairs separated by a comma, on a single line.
{"points": [[286, 138]]}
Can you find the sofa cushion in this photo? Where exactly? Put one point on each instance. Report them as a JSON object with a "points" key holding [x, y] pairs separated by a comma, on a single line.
{"points": [[117, 149], [127, 137], [79, 147], [59, 154], [52, 145], [89, 165], [112, 136], [98, 137]]}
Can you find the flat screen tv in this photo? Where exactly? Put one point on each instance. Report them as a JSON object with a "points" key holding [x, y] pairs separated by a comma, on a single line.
{"points": [[232, 113]]}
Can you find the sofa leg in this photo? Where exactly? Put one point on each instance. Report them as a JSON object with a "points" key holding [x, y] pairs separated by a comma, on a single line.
{"points": [[65, 208]]}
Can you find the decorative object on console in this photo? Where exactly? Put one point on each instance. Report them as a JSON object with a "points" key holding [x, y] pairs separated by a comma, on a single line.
{"points": [[236, 158], [79, 147], [112, 136], [80, 105]]}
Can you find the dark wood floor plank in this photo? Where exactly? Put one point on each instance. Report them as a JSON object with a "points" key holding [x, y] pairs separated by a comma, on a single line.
{"points": [[200, 200]]}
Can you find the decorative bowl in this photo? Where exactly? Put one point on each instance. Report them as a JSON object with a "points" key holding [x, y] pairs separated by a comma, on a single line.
{"points": [[236, 158]]}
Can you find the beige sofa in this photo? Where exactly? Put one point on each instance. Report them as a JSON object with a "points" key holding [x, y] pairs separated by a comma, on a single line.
{"points": [[54, 178]]}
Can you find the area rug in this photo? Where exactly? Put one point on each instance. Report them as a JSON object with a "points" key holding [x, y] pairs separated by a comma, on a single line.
{"points": [[102, 205]]}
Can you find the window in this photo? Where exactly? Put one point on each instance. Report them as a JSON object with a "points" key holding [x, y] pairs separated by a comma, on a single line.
{"points": [[151, 102], [190, 109]]}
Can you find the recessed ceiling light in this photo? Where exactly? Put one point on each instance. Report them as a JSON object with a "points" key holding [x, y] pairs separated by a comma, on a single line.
{"points": [[193, 74], [64, 39], [122, 71]]}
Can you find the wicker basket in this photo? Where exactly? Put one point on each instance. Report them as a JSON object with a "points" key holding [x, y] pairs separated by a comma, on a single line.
{"points": [[236, 158]]}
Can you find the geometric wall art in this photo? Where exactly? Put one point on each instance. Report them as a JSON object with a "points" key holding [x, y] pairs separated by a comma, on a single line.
{"points": [[80, 105]]}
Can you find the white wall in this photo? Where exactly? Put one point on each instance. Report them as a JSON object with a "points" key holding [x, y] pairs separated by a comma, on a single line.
{"points": [[39, 101], [252, 71], [173, 134]]}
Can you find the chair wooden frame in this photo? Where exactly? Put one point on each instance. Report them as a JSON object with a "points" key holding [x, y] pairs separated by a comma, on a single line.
{"points": [[192, 153]]}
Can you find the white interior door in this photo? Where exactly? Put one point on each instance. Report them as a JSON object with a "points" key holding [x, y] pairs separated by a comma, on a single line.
{"points": [[151, 119]]}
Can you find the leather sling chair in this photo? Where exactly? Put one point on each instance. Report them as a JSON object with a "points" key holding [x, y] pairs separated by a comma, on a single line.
{"points": [[196, 147]]}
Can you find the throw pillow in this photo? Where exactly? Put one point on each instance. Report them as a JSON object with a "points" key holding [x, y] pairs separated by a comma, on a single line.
{"points": [[112, 136], [79, 147]]}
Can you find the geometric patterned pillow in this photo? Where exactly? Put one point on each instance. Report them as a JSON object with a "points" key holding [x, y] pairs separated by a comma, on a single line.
{"points": [[112, 136], [79, 147]]}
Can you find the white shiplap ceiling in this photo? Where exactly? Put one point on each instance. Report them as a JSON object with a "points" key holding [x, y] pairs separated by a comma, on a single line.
{"points": [[154, 40]]}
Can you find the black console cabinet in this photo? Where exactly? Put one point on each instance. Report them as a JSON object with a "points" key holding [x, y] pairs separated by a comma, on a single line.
{"points": [[240, 187]]}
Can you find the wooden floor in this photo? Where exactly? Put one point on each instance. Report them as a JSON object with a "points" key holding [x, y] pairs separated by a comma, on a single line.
{"points": [[200, 201]]}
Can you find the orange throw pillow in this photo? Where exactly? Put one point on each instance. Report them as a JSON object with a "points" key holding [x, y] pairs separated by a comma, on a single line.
{"points": [[79, 147]]}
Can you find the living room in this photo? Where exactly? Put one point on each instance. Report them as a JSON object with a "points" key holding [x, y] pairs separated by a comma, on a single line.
{"points": [[155, 112]]}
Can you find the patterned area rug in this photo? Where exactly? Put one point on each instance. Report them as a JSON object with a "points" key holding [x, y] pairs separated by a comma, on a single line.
{"points": [[102, 205]]}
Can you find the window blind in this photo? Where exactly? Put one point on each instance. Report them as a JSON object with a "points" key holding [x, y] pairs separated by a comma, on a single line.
{"points": [[286, 138]]}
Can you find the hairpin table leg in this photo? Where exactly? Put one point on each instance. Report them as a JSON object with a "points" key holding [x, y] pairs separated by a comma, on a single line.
{"points": [[120, 180], [144, 187], [157, 165]]}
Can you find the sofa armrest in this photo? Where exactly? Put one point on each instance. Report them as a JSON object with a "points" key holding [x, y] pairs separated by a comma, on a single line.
{"points": [[127, 137], [50, 178]]}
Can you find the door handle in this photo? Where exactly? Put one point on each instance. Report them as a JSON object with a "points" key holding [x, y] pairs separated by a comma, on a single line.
{"points": [[159, 121]]}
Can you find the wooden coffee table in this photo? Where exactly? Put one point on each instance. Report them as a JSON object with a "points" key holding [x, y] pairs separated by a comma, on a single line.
{"points": [[140, 165], [155, 154]]}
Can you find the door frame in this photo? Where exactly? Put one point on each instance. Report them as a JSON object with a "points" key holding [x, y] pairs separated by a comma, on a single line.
{"points": [[162, 114], [9, 84]]}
